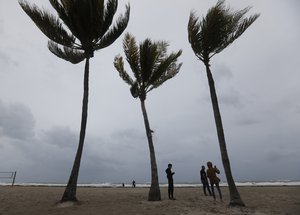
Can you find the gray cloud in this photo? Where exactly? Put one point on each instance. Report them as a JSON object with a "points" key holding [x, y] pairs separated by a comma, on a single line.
{"points": [[247, 121], [229, 97], [297, 109], [16, 121], [5, 60], [222, 73], [257, 82], [61, 137], [1, 27]]}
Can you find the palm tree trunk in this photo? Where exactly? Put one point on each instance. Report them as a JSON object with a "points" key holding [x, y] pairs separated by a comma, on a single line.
{"points": [[154, 193], [70, 191], [235, 198]]}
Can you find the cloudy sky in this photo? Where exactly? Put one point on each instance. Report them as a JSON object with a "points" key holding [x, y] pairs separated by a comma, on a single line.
{"points": [[257, 80]]}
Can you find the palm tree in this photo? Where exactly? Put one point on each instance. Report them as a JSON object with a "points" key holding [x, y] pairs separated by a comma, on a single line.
{"points": [[81, 28], [151, 66], [209, 36]]}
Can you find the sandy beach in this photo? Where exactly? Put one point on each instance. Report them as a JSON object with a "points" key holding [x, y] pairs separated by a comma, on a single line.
{"points": [[23, 200]]}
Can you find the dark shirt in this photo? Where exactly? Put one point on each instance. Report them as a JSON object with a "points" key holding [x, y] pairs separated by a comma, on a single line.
{"points": [[169, 174], [203, 176]]}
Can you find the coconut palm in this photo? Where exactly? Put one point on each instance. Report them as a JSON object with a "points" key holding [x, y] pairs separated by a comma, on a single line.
{"points": [[151, 66], [208, 37], [81, 28]]}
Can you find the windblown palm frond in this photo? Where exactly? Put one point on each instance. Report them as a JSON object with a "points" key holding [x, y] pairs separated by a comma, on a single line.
{"points": [[66, 53], [241, 28], [48, 24], [132, 55], [148, 60], [108, 14], [170, 73], [119, 65], [194, 36], [166, 63], [61, 11], [217, 30], [150, 64], [83, 24], [111, 35]]}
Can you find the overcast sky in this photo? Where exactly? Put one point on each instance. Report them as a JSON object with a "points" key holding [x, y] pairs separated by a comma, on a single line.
{"points": [[257, 82]]}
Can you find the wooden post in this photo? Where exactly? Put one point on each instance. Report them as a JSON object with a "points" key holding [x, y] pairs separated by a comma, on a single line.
{"points": [[13, 182]]}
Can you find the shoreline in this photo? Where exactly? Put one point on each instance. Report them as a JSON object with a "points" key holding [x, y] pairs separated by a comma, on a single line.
{"points": [[147, 185]]}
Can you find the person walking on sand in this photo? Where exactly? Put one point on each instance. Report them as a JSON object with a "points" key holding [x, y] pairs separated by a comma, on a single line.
{"points": [[213, 178], [204, 181], [170, 181]]}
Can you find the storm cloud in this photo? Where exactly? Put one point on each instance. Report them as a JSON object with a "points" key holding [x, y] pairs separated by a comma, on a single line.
{"points": [[257, 80]]}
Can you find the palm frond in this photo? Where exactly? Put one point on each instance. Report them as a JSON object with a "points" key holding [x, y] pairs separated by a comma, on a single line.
{"points": [[67, 4], [62, 12], [161, 50], [135, 90], [194, 35], [217, 30], [132, 55], [170, 73], [151, 61], [111, 35], [148, 59], [164, 67], [72, 55], [108, 15], [48, 24], [79, 14], [95, 19], [119, 65], [241, 28]]}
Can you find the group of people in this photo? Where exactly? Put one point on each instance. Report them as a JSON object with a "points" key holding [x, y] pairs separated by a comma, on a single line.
{"points": [[208, 177], [210, 174]]}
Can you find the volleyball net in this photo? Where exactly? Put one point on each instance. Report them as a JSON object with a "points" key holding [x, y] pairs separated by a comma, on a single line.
{"points": [[9, 176]]}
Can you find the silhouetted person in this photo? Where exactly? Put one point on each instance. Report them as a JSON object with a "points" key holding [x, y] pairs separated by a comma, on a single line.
{"points": [[170, 181], [204, 181], [133, 183], [213, 179]]}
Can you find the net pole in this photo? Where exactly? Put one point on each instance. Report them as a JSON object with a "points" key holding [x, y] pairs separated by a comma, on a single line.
{"points": [[13, 182]]}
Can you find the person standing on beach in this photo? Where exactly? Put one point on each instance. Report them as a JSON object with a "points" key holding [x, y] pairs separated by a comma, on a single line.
{"points": [[204, 181], [170, 181], [213, 178]]}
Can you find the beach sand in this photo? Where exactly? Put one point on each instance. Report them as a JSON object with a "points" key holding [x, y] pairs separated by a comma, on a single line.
{"points": [[23, 200]]}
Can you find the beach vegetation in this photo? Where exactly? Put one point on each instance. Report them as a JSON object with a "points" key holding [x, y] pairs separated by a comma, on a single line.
{"points": [[151, 67], [81, 28], [209, 36]]}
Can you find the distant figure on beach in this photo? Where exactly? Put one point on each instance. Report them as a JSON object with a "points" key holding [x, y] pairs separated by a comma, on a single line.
{"points": [[204, 181], [133, 183], [170, 181], [213, 178], [123, 185]]}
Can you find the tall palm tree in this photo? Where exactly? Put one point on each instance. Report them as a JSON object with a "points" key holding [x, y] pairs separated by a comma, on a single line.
{"points": [[209, 36], [81, 28], [151, 66]]}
